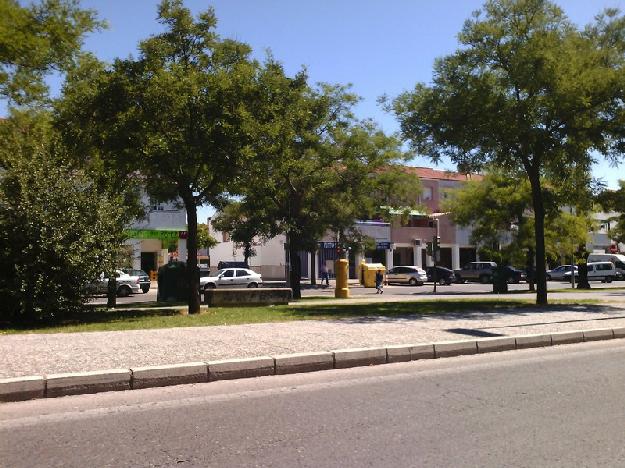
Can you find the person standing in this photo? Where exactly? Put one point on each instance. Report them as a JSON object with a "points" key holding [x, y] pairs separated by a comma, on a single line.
{"points": [[379, 282]]}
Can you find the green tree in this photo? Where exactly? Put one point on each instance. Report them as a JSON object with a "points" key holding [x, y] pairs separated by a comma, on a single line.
{"points": [[243, 223], [204, 239], [58, 231], [614, 201], [175, 114], [498, 209], [36, 40], [527, 91], [317, 169]]}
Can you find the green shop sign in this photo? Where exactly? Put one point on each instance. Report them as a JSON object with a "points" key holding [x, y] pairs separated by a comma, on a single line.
{"points": [[155, 234]]}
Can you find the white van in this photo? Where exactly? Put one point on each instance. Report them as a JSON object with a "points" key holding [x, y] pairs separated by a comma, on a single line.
{"points": [[617, 259], [603, 271]]}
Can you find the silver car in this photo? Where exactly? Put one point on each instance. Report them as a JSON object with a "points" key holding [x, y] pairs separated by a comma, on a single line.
{"points": [[411, 275], [126, 284], [559, 273], [232, 278]]}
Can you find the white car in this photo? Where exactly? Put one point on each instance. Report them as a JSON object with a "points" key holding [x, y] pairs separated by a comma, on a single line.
{"points": [[231, 278], [602, 271], [412, 275], [558, 273]]}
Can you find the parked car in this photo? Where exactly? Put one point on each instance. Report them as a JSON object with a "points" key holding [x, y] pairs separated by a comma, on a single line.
{"points": [[126, 284], [514, 275], [476, 271], [231, 278], [443, 275], [558, 272], [617, 259], [598, 271], [144, 278], [411, 275]]}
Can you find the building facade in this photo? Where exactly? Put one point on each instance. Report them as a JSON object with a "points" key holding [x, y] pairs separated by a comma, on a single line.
{"points": [[159, 237]]}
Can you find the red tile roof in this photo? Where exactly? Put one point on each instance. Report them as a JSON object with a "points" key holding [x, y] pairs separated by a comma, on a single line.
{"points": [[429, 173]]}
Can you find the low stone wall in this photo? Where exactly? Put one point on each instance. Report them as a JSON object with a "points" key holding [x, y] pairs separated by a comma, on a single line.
{"points": [[247, 296]]}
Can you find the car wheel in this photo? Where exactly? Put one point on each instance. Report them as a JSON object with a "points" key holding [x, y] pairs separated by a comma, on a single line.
{"points": [[124, 291], [145, 290], [442, 281], [210, 286], [608, 279], [548, 277], [252, 285], [485, 279], [412, 282]]}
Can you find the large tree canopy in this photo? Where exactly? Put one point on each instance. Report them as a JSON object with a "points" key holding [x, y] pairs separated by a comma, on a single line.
{"points": [[526, 91], [318, 169], [176, 114], [498, 209], [36, 40]]}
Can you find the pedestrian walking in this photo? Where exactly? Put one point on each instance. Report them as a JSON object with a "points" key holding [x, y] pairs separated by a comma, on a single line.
{"points": [[379, 282], [324, 275]]}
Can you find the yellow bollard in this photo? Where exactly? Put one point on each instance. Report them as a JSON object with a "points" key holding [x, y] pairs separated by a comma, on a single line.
{"points": [[361, 279], [341, 267]]}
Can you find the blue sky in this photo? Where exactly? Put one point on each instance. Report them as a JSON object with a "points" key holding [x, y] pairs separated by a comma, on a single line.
{"points": [[380, 47]]}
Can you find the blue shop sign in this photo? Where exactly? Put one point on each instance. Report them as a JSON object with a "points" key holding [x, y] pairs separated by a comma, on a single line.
{"points": [[383, 245]]}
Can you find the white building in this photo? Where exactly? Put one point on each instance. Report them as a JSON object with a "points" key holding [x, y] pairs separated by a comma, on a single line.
{"points": [[269, 261], [164, 228]]}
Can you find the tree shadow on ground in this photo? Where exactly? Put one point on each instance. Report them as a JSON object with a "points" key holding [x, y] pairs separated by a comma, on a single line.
{"points": [[94, 315], [447, 310]]}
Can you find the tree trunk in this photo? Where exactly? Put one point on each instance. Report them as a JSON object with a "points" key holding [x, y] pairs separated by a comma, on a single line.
{"points": [[539, 233], [582, 280], [295, 275], [247, 252], [313, 269], [529, 268], [193, 274], [111, 291]]}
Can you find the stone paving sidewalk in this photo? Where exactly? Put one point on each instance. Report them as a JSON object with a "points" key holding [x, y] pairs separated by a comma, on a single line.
{"points": [[37, 354]]}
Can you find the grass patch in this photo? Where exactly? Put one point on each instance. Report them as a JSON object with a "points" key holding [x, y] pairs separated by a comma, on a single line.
{"points": [[101, 319], [592, 289]]}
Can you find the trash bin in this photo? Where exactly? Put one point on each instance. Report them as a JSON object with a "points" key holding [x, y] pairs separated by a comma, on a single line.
{"points": [[500, 279], [172, 282], [368, 271]]}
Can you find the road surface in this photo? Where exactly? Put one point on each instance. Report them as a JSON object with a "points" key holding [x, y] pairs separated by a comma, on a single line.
{"points": [[407, 292], [561, 406]]}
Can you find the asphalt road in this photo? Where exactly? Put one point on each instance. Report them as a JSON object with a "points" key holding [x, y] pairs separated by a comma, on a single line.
{"points": [[400, 291], [561, 406]]}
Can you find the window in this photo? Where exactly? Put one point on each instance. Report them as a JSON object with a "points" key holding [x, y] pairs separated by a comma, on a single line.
{"points": [[242, 273], [228, 274], [427, 193]]}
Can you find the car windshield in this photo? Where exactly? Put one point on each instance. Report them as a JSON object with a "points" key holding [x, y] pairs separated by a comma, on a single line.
{"points": [[217, 273]]}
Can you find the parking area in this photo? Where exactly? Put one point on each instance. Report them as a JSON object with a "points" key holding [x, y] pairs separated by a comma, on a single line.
{"points": [[395, 291]]}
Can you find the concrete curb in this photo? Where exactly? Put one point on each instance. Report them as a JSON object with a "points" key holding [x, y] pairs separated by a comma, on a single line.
{"points": [[54, 385], [87, 382], [22, 388], [176, 374], [303, 362], [241, 368]]}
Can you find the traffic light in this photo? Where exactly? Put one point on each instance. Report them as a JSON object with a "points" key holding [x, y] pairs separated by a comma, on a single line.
{"points": [[436, 241], [428, 249]]}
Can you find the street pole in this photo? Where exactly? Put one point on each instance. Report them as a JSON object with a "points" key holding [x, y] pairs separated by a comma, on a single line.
{"points": [[435, 250]]}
